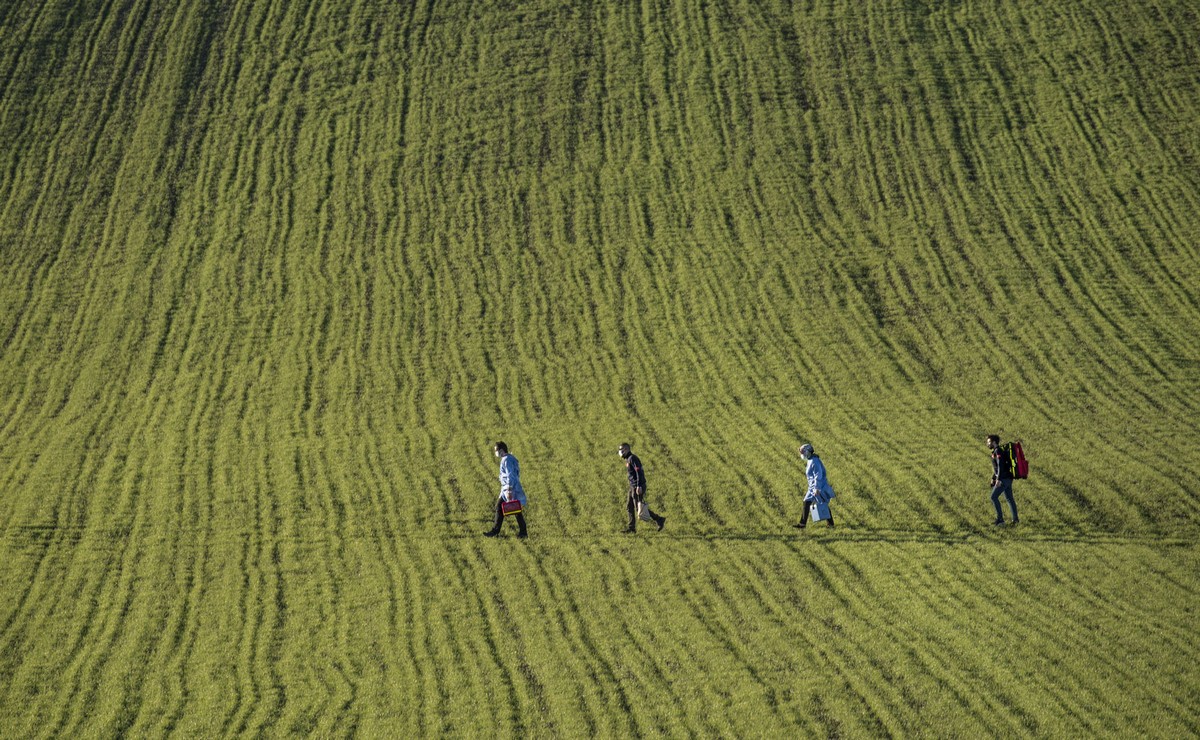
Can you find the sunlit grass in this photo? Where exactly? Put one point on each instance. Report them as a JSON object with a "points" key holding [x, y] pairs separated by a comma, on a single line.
{"points": [[276, 275]]}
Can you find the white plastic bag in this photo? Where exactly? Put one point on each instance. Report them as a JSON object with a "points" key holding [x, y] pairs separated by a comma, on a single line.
{"points": [[643, 512], [819, 510]]}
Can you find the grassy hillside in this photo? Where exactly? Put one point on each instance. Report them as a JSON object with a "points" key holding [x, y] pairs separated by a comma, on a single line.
{"points": [[276, 275]]}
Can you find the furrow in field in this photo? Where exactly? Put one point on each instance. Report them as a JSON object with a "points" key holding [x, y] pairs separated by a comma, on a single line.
{"points": [[77, 510], [163, 648], [838, 639], [341, 676], [653, 672], [492, 650], [1005, 622], [58, 582], [101, 648], [207, 521], [554, 593], [934, 657], [396, 646], [259, 691], [712, 650], [578, 606], [21, 21], [1137, 602], [1145, 603], [44, 320], [1105, 633], [935, 649], [114, 608], [721, 644], [1090, 636], [844, 638], [775, 660], [451, 692]]}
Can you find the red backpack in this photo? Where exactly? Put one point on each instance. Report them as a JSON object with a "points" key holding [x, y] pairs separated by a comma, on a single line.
{"points": [[1016, 456]]}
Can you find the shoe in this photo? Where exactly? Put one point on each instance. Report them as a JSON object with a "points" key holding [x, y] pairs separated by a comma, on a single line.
{"points": [[799, 526], [661, 521], [491, 533], [1016, 521], [628, 530], [998, 523], [522, 535]]}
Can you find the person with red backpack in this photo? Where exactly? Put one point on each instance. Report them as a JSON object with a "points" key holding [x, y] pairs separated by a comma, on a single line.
{"points": [[1002, 478]]}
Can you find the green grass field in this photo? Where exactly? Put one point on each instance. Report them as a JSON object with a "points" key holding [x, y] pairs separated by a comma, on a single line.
{"points": [[275, 275]]}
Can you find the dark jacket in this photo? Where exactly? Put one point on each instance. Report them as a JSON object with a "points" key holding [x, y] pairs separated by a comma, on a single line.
{"points": [[1002, 462], [637, 477]]}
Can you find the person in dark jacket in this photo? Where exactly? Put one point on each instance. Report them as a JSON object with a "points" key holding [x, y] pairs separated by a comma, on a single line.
{"points": [[636, 502], [1002, 479]]}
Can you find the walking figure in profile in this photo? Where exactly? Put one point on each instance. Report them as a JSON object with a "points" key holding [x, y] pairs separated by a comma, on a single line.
{"points": [[636, 501], [819, 492], [1002, 478], [512, 495]]}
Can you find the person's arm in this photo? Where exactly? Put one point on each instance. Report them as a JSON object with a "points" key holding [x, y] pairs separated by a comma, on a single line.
{"points": [[506, 479], [821, 491]]}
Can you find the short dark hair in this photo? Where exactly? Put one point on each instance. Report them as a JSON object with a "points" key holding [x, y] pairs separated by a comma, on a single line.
{"points": [[994, 438], [500, 447]]}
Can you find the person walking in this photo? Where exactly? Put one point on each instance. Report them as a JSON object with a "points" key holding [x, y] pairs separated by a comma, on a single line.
{"points": [[1002, 478], [636, 502], [510, 490], [819, 491]]}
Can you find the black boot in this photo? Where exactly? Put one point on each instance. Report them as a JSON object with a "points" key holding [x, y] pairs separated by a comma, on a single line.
{"points": [[495, 530], [803, 517]]}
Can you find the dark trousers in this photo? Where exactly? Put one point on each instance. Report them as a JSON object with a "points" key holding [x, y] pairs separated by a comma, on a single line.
{"points": [[631, 510], [500, 519], [804, 515], [1004, 486]]}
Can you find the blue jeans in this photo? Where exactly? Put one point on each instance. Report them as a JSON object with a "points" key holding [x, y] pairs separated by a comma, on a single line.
{"points": [[1004, 485]]}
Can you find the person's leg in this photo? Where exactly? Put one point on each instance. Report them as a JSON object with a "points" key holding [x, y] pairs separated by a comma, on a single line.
{"points": [[658, 520], [996, 491], [803, 515], [631, 510], [831, 518], [495, 530], [521, 525], [1012, 502]]}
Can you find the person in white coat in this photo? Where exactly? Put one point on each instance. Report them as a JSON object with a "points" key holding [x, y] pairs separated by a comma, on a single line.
{"points": [[510, 490], [819, 491]]}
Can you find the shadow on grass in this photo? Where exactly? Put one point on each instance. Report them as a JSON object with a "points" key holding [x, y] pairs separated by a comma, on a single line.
{"points": [[820, 534]]}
